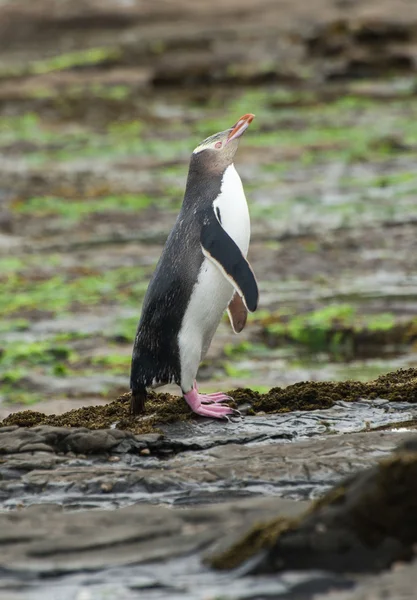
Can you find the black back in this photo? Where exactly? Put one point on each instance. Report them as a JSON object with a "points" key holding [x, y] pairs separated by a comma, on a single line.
{"points": [[155, 353]]}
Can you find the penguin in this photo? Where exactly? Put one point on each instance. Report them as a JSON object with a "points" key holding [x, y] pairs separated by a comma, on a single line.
{"points": [[202, 272]]}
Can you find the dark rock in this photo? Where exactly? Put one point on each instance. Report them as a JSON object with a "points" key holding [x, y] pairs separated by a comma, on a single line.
{"points": [[224, 472], [365, 524], [52, 541], [62, 439]]}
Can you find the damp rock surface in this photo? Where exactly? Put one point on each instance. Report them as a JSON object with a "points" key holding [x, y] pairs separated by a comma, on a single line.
{"points": [[300, 471], [85, 459], [48, 551], [176, 502], [365, 524]]}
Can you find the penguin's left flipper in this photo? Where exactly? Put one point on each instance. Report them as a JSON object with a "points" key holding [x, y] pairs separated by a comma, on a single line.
{"points": [[218, 246], [237, 313]]}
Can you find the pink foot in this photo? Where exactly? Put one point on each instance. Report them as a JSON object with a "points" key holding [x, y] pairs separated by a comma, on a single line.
{"points": [[198, 404], [212, 398]]}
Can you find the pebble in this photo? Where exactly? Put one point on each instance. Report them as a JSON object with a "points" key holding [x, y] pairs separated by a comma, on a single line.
{"points": [[106, 487]]}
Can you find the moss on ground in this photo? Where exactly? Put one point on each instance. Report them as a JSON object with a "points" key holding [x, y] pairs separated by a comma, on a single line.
{"points": [[261, 536], [340, 329], [79, 58], [165, 408]]}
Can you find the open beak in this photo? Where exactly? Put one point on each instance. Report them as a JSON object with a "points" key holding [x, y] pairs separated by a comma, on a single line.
{"points": [[241, 126]]}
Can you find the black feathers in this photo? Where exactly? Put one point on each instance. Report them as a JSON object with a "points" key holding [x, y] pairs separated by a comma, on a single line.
{"points": [[219, 246]]}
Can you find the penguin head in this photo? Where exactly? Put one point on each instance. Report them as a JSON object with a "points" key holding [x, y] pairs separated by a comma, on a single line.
{"points": [[217, 152]]}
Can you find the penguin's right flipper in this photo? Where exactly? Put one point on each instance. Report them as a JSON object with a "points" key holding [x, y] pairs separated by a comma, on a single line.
{"points": [[218, 246], [237, 313]]}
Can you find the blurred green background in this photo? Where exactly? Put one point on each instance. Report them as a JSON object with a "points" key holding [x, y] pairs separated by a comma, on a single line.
{"points": [[101, 105]]}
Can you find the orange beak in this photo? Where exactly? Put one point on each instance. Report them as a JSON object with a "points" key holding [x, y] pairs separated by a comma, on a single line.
{"points": [[241, 126]]}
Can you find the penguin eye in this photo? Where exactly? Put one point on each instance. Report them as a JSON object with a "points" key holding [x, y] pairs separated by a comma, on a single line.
{"points": [[218, 145]]}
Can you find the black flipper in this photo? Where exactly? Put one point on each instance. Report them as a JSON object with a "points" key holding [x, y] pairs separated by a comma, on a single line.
{"points": [[219, 247]]}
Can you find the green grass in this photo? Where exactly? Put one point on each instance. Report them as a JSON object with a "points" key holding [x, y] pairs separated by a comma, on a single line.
{"points": [[124, 329], [329, 328], [349, 129], [118, 364], [55, 357], [62, 62], [232, 370], [74, 209], [45, 352], [19, 358], [61, 293]]}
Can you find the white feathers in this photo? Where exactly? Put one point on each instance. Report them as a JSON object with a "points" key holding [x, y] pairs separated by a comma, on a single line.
{"points": [[224, 274], [201, 147], [212, 291], [233, 208]]}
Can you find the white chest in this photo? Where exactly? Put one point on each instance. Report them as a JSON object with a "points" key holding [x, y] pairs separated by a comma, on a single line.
{"points": [[233, 209]]}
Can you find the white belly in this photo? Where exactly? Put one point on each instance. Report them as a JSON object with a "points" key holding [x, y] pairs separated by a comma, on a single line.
{"points": [[233, 208], [212, 292]]}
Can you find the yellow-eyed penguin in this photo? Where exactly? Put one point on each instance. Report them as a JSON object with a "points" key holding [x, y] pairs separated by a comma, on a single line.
{"points": [[202, 272]]}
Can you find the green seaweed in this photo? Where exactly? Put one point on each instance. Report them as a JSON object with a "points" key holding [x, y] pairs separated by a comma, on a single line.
{"points": [[260, 537], [68, 292], [336, 328], [61, 62], [75, 210]]}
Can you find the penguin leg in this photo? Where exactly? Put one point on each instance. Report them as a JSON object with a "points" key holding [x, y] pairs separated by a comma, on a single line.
{"points": [[137, 401], [198, 404]]}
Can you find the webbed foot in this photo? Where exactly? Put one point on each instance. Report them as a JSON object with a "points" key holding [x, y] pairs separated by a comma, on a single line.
{"points": [[207, 405]]}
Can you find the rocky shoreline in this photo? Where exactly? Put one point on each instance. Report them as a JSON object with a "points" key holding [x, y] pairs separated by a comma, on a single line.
{"points": [[216, 498], [218, 502]]}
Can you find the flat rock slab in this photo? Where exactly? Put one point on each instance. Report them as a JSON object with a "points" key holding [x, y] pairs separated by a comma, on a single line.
{"points": [[343, 417], [134, 550], [147, 548], [47, 553], [366, 524], [300, 470]]}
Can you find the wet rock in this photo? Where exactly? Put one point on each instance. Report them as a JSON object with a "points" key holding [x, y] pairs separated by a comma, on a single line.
{"points": [[366, 523], [62, 439], [51, 541], [154, 547], [300, 471]]}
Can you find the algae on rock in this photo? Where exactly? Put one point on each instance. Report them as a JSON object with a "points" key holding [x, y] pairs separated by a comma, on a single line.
{"points": [[164, 408]]}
